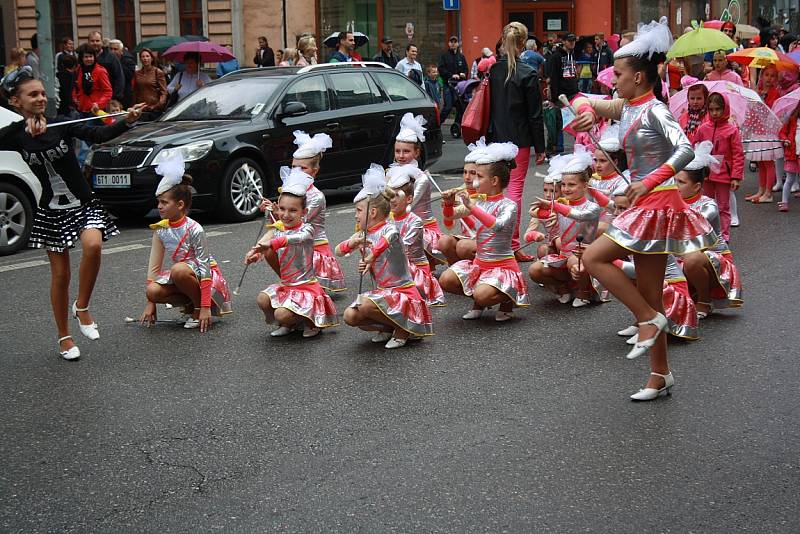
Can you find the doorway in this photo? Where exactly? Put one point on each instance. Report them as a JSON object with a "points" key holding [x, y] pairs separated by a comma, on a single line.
{"points": [[542, 18]]}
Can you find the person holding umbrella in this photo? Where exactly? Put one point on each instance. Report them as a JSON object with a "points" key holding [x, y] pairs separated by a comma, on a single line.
{"points": [[191, 79], [344, 50]]}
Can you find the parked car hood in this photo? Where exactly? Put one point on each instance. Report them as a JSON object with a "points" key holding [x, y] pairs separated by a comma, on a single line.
{"points": [[164, 133]]}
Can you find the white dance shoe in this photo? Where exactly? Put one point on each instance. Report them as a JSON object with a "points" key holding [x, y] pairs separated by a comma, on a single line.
{"points": [[311, 331], [381, 337], [565, 298], [88, 330], [395, 343], [648, 394], [280, 332], [633, 339], [191, 323], [628, 331], [580, 303], [70, 354], [472, 315], [642, 346], [502, 316]]}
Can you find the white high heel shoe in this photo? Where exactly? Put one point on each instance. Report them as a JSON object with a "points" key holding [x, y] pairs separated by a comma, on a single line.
{"points": [[633, 339], [628, 331], [642, 346], [381, 337], [648, 394], [395, 343], [281, 331], [72, 353], [88, 330], [472, 315]]}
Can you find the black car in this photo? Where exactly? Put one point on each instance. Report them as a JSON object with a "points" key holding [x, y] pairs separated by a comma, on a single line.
{"points": [[236, 132]]}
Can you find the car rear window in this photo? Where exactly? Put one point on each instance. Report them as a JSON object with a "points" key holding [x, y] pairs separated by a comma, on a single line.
{"points": [[233, 99], [354, 89], [399, 87]]}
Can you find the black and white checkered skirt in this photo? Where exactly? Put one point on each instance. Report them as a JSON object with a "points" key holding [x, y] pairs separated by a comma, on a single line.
{"points": [[59, 230]]}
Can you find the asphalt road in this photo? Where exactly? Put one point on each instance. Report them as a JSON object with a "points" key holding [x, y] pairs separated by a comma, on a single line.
{"points": [[524, 426]]}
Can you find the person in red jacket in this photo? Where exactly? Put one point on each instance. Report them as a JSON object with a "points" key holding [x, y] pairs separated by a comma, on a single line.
{"points": [[691, 119], [769, 93], [92, 85], [728, 150], [791, 165]]}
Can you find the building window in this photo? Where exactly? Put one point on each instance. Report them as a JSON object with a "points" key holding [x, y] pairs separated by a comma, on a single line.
{"points": [[191, 15], [61, 13], [125, 22]]}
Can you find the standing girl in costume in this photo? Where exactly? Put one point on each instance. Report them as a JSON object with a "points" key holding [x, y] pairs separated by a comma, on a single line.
{"points": [[407, 149], [575, 222], [298, 301], [493, 277], [193, 278], [727, 147], [68, 212], [394, 310], [789, 136], [410, 227], [658, 222], [768, 91], [711, 274], [307, 158]]}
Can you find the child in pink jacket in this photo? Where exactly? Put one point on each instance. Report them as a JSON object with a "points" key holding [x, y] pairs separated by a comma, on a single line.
{"points": [[728, 150]]}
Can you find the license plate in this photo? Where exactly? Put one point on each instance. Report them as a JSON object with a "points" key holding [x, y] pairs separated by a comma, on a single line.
{"points": [[112, 180]]}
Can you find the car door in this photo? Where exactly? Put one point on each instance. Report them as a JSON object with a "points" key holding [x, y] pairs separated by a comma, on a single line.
{"points": [[362, 118], [320, 117]]}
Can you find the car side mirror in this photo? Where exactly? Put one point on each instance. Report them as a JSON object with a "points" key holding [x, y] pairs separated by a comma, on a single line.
{"points": [[292, 109]]}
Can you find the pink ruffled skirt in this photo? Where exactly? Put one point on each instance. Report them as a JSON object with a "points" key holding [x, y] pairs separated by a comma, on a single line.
{"points": [[680, 310], [307, 300], [327, 269], [728, 294], [427, 284], [504, 276], [404, 307]]}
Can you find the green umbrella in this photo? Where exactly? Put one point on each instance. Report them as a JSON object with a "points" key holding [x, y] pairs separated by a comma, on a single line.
{"points": [[162, 42], [699, 41]]}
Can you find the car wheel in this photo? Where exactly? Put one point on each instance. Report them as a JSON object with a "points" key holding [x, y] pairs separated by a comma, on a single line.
{"points": [[242, 189], [16, 218]]}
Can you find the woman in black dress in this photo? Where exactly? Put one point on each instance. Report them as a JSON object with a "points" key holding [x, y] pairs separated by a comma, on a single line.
{"points": [[67, 212]]}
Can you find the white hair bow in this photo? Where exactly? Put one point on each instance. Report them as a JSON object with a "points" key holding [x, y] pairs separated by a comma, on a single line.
{"points": [[372, 182], [294, 181], [703, 157], [308, 147], [171, 170], [650, 39], [495, 152], [412, 129]]}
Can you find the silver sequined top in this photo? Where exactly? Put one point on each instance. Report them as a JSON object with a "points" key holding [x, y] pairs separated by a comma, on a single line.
{"points": [[651, 137], [410, 228], [315, 202], [391, 266], [707, 207], [186, 243], [610, 187], [421, 203], [582, 220], [494, 243], [297, 257]]}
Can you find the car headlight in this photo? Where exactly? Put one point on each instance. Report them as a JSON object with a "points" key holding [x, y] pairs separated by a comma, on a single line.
{"points": [[190, 152], [88, 159]]}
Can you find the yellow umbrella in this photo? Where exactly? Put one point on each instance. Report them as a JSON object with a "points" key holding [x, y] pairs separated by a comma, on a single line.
{"points": [[699, 41], [762, 57]]}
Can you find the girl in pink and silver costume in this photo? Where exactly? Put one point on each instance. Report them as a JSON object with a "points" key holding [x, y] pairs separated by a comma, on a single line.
{"points": [[575, 223], [658, 222], [712, 275], [193, 278], [407, 150], [538, 230], [606, 179], [298, 301], [410, 227], [394, 310], [493, 277], [307, 158]]}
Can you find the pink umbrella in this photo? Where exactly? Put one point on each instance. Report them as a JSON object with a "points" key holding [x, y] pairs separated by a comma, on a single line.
{"points": [[739, 99], [785, 105], [606, 77], [209, 52]]}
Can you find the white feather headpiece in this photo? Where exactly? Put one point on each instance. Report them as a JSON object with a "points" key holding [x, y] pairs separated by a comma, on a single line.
{"points": [[703, 157], [372, 182], [650, 39], [308, 147], [295, 181], [557, 164], [399, 175], [494, 152], [577, 162], [412, 129], [171, 170], [609, 141], [476, 150]]}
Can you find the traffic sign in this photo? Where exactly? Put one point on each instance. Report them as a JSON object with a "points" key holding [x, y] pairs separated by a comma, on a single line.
{"points": [[451, 5]]}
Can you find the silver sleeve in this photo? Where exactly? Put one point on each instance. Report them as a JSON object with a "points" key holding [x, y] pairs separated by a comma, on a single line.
{"points": [[663, 121]]}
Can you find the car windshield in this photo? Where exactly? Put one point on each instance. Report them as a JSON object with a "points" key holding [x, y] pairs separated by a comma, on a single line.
{"points": [[234, 99]]}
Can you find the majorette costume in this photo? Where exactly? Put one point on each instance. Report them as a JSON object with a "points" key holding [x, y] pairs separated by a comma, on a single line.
{"points": [[298, 291], [184, 241], [467, 221], [728, 294], [612, 184], [67, 205], [410, 227], [326, 266], [576, 218], [396, 294], [494, 262], [656, 148], [412, 130]]}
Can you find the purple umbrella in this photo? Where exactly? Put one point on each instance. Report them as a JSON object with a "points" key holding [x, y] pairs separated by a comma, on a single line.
{"points": [[209, 52]]}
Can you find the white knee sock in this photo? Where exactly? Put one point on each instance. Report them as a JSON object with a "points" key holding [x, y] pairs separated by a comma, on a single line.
{"points": [[734, 209]]}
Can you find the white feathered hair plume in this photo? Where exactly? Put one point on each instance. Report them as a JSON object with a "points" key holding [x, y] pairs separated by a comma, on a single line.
{"points": [[609, 141], [412, 129], [580, 160], [171, 170], [295, 181], [399, 175], [557, 164], [703, 157], [476, 149], [308, 147], [650, 39], [372, 182], [495, 152]]}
